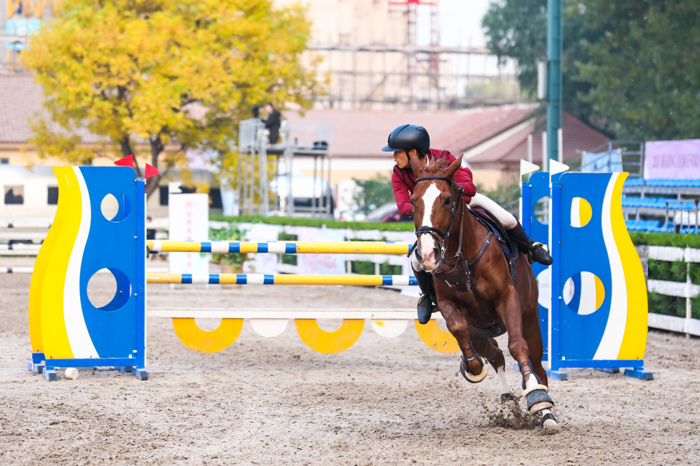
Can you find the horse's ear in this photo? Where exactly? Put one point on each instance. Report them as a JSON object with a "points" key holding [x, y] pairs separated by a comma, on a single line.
{"points": [[452, 169], [415, 164]]}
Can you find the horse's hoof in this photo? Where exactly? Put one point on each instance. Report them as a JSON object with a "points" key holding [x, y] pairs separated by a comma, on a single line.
{"points": [[471, 378], [538, 399], [506, 397], [549, 424]]}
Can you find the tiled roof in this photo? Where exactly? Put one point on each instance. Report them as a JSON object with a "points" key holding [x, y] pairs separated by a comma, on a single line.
{"points": [[365, 132], [577, 137], [21, 101], [499, 134]]}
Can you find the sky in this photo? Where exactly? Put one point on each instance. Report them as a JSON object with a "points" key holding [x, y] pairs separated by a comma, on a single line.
{"points": [[460, 22], [460, 26]]}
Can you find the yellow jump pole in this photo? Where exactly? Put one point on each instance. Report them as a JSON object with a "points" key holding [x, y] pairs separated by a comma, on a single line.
{"points": [[260, 279], [282, 247]]}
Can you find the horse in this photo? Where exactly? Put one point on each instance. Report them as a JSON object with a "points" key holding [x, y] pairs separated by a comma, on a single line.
{"points": [[476, 291]]}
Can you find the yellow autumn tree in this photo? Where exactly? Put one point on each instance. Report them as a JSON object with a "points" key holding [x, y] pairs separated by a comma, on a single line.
{"points": [[151, 75]]}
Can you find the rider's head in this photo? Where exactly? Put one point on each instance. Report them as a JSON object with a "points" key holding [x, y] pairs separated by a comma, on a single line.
{"points": [[408, 140]]}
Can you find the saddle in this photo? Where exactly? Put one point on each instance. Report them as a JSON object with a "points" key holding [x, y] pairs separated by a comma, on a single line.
{"points": [[508, 246]]}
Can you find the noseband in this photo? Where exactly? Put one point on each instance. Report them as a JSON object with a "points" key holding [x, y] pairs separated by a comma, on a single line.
{"points": [[438, 235]]}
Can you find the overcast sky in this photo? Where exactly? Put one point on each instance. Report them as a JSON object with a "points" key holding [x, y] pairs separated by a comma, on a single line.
{"points": [[460, 22]]}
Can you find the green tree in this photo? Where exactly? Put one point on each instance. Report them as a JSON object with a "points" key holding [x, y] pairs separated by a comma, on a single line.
{"points": [[645, 67], [630, 67], [373, 192], [518, 29], [164, 76]]}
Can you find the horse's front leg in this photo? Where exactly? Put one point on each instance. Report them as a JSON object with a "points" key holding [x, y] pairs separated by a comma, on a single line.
{"points": [[534, 390], [473, 367]]}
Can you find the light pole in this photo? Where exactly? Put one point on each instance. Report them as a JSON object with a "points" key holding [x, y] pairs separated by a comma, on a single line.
{"points": [[554, 52]]}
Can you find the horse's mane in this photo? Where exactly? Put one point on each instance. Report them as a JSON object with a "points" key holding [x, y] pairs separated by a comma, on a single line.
{"points": [[436, 166]]}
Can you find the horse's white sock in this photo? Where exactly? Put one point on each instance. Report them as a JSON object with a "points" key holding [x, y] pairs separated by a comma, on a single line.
{"points": [[501, 372]]}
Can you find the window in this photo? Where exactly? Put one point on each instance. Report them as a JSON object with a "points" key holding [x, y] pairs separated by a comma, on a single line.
{"points": [[14, 194], [163, 195], [4, 161], [52, 195], [215, 199]]}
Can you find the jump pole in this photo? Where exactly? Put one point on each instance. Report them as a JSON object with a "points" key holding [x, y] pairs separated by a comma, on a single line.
{"points": [[282, 247], [260, 279]]}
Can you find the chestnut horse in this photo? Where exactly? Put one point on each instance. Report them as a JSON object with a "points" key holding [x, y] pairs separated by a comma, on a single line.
{"points": [[475, 292]]}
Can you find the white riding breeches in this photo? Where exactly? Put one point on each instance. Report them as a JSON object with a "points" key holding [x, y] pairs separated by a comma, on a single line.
{"points": [[506, 218], [479, 200]]}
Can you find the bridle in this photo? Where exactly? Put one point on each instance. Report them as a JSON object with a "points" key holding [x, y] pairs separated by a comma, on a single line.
{"points": [[438, 235]]}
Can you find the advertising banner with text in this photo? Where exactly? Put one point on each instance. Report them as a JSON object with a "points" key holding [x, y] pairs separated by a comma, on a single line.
{"points": [[677, 160]]}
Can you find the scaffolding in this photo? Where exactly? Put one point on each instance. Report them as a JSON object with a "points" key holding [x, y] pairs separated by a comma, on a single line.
{"points": [[407, 76], [285, 193]]}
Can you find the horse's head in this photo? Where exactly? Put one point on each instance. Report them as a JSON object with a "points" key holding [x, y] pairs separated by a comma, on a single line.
{"points": [[434, 206]]}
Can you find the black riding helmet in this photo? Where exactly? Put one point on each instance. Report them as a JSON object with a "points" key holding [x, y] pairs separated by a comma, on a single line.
{"points": [[407, 137]]}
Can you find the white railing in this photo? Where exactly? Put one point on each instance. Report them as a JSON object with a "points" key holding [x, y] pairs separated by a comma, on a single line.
{"points": [[685, 289]]}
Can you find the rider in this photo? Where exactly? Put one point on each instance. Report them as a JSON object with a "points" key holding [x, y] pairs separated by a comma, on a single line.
{"points": [[414, 140]]}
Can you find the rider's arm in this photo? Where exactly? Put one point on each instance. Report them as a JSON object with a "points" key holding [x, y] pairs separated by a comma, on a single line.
{"points": [[463, 177], [401, 194]]}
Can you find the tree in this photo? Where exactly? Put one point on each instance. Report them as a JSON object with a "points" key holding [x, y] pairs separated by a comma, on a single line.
{"points": [[164, 76], [630, 67], [645, 67], [518, 29], [373, 192]]}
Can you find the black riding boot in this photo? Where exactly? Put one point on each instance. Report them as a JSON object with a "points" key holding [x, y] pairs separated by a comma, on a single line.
{"points": [[527, 246], [427, 303]]}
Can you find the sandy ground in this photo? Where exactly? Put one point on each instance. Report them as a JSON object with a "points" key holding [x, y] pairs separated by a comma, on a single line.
{"points": [[274, 401]]}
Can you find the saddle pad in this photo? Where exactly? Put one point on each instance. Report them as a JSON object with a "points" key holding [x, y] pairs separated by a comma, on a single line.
{"points": [[509, 248]]}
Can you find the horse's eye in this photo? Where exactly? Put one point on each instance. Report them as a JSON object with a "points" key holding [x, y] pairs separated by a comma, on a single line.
{"points": [[448, 201]]}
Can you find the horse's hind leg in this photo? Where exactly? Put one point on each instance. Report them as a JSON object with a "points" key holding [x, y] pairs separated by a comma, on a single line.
{"points": [[473, 367]]}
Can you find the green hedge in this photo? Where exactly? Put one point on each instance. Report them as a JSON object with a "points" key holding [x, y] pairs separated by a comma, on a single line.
{"points": [[666, 239], [313, 222], [652, 239]]}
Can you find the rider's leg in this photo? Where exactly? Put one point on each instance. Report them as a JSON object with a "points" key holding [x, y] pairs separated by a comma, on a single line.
{"points": [[427, 303], [514, 229]]}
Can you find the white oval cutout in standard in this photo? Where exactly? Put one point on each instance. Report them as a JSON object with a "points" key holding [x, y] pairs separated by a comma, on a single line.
{"points": [[115, 207], [541, 210], [583, 293], [543, 284], [581, 212], [108, 289], [109, 207]]}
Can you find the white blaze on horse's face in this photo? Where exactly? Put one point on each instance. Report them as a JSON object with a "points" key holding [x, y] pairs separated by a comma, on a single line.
{"points": [[427, 242]]}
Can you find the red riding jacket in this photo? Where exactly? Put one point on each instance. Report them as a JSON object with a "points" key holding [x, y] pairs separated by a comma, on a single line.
{"points": [[404, 181]]}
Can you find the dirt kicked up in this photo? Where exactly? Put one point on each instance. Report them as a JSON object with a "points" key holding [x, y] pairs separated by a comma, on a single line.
{"points": [[384, 401]]}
